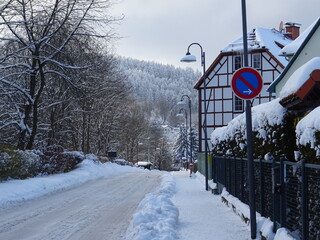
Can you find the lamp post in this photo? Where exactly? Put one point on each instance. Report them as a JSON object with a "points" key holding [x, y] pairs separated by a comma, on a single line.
{"points": [[180, 114], [192, 58], [138, 144], [190, 137], [148, 138]]}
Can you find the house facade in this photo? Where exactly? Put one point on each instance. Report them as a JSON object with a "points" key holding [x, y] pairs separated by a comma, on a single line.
{"points": [[222, 105]]}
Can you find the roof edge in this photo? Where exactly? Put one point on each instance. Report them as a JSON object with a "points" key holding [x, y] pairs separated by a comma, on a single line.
{"points": [[219, 57], [209, 70]]}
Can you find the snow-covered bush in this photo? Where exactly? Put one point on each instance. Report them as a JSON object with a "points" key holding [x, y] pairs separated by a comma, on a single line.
{"points": [[272, 132], [308, 136], [18, 164], [59, 162]]}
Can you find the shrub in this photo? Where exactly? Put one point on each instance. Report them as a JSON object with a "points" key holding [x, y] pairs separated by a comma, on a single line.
{"points": [[273, 132], [18, 164], [308, 136], [59, 162]]}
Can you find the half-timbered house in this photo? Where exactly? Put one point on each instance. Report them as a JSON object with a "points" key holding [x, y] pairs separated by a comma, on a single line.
{"points": [[222, 104]]}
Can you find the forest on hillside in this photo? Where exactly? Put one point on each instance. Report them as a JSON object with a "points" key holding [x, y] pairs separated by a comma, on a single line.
{"points": [[159, 87]]}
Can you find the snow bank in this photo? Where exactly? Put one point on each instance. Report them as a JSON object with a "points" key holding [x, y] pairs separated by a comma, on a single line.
{"points": [[264, 225], [307, 127], [156, 217], [282, 234], [299, 77], [15, 191]]}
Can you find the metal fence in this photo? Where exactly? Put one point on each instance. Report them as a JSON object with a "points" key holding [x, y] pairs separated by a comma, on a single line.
{"points": [[286, 192]]}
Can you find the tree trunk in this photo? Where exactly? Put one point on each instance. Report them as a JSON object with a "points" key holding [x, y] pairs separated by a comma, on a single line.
{"points": [[28, 108], [35, 118]]}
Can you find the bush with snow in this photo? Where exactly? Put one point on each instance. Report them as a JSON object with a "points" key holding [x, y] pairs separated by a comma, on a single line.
{"points": [[59, 162], [272, 131], [18, 164], [308, 136]]}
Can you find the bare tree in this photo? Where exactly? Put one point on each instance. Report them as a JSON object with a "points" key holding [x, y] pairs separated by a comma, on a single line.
{"points": [[134, 128], [34, 34]]}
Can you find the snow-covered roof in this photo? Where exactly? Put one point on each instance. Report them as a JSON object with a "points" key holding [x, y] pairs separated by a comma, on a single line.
{"points": [[299, 77], [262, 38], [144, 163], [292, 47], [120, 160]]}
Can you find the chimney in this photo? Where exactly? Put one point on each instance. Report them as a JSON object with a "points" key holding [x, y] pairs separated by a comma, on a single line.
{"points": [[292, 30]]}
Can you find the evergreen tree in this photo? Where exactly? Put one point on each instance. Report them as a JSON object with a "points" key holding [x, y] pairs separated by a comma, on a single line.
{"points": [[194, 144], [181, 145]]}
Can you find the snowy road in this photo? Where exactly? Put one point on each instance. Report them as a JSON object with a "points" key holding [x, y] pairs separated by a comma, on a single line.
{"points": [[99, 209]]}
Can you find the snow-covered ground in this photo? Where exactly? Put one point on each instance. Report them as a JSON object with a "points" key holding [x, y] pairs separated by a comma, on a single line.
{"points": [[15, 191], [182, 209], [179, 209]]}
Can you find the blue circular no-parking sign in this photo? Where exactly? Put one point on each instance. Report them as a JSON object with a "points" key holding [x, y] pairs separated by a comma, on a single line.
{"points": [[246, 83]]}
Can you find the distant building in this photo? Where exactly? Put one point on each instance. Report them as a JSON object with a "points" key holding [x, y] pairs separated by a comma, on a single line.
{"points": [[222, 104]]}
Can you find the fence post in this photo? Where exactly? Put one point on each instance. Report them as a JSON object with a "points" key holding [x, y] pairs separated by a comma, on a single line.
{"points": [[226, 174], [235, 178], [262, 189], [224, 170], [230, 177], [304, 196], [283, 193], [213, 161], [273, 195], [241, 179]]}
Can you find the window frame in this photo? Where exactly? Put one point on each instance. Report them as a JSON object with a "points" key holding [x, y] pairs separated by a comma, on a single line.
{"points": [[237, 62], [256, 58], [238, 104]]}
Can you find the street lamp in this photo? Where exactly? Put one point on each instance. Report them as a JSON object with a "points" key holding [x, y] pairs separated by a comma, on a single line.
{"points": [[138, 144], [180, 114], [191, 58], [190, 137]]}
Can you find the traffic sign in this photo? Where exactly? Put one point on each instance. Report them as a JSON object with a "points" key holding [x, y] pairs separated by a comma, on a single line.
{"points": [[246, 83]]}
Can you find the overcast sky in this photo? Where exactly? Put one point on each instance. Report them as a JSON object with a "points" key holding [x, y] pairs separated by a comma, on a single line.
{"points": [[161, 30]]}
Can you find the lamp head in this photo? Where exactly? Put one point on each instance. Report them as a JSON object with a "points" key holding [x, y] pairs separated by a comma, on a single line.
{"points": [[181, 103], [179, 115], [188, 58]]}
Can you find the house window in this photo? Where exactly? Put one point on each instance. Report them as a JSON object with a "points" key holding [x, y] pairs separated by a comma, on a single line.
{"points": [[238, 104], [237, 62], [256, 59]]}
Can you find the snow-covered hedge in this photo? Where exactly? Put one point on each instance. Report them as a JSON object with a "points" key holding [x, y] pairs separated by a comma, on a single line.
{"points": [[308, 136], [18, 164], [272, 130]]}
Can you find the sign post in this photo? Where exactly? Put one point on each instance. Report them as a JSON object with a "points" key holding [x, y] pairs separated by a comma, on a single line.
{"points": [[247, 84]]}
